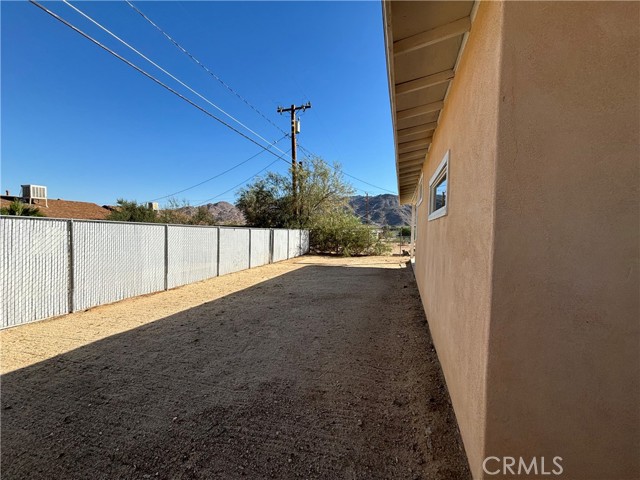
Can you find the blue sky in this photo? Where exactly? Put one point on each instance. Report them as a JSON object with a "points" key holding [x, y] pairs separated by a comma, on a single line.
{"points": [[91, 128]]}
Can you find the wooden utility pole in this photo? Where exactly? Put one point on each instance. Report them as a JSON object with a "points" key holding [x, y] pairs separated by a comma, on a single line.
{"points": [[294, 163], [367, 208]]}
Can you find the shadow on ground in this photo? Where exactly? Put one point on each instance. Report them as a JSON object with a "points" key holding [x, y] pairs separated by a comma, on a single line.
{"points": [[325, 372]]}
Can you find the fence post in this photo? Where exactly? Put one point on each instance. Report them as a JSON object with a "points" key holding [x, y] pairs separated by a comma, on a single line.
{"points": [[71, 268], [271, 245], [288, 235], [218, 255], [249, 248], [166, 257]]}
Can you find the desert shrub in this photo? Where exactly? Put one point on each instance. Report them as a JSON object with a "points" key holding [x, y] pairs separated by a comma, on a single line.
{"points": [[342, 233]]}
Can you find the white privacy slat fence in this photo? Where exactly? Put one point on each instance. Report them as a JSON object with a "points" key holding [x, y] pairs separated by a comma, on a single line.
{"points": [[34, 268], [112, 261], [234, 250], [280, 245], [192, 254], [260, 246], [295, 243], [49, 267]]}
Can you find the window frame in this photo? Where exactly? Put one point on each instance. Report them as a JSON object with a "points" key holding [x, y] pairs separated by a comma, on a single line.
{"points": [[441, 172]]}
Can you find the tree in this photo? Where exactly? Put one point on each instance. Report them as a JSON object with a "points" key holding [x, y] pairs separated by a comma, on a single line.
{"points": [[269, 201], [266, 203], [20, 209], [132, 211], [175, 211], [323, 205], [202, 216], [323, 191], [405, 231]]}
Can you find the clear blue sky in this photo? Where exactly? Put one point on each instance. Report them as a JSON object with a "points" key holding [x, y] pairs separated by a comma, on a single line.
{"points": [[89, 127]]}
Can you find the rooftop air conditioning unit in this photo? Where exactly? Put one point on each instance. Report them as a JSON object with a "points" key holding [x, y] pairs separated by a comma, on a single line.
{"points": [[35, 192]]}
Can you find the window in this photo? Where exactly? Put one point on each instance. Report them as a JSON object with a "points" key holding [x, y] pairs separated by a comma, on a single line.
{"points": [[438, 191]]}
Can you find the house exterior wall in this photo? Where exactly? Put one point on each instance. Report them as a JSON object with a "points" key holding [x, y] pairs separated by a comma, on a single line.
{"points": [[530, 282], [454, 252], [564, 366]]}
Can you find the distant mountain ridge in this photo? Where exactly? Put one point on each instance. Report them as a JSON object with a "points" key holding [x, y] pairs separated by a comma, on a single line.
{"points": [[383, 209]]}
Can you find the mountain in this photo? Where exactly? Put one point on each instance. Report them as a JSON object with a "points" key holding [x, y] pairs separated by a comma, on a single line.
{"points": [[223, 212], [383, 210]]}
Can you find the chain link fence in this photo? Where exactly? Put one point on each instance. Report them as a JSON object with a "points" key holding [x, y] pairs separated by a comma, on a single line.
{"points": [[50, 267], [192, 254], [34, 268]]}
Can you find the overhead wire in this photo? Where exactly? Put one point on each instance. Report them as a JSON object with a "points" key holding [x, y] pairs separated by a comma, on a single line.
{"points": [[370, 184], [154, 79], [204, 67], [171, 90], [272, 144], [102, 27], [311, 154], [217, 175], [237, 186]]}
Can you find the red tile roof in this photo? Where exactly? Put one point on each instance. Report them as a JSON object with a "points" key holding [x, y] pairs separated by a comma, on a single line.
{"points": [[66, 209]]}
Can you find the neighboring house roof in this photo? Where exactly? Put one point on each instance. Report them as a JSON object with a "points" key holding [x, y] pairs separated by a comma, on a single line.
{"points": [[65, 208]]}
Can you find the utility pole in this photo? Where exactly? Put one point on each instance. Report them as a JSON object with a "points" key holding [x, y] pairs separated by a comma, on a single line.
{"points": [[366, 203], [294, 164]]}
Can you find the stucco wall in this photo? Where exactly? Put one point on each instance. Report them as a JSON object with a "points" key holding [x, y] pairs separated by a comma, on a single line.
{"points": [[530, 283], [454, 252], [564, 365]]}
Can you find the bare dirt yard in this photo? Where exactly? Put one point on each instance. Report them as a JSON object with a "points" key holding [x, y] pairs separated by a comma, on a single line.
{"points": [[315, 367]]}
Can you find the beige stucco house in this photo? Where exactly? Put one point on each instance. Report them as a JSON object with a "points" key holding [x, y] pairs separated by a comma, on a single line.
{"points": [[517, 127]]}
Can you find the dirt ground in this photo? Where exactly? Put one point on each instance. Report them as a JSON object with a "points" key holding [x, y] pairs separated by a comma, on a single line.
{"points": [[311, 368]]}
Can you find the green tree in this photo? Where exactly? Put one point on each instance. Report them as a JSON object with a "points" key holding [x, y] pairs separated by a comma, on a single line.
{"points": [[267, 202], [323, 191], [270, 200], [174, 211], [202, 216], [322, 201], [20, 209], [405, 231], [132, 211]]}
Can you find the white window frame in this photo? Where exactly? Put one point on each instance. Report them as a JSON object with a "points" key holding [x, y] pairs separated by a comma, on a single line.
{"points": [[420, 192], [441, 171]]}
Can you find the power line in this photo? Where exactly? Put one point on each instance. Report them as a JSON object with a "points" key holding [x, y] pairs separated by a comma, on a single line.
{"points": [[165, 71], [238, 185], [206, 69], [178, 94], [306, 150], [199, 95], [181, 48], [370, 184], [151, 77], [217, 175]]}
